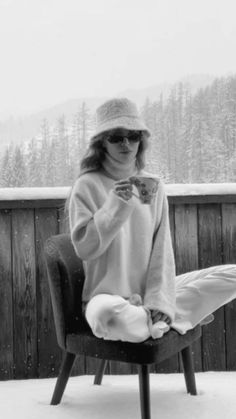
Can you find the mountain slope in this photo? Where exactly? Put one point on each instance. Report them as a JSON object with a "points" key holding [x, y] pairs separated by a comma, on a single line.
{"points": [[19, 129]]}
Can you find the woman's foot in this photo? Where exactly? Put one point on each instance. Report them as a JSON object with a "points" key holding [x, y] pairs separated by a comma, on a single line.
{"points": [[158, 324], [158, 329]]}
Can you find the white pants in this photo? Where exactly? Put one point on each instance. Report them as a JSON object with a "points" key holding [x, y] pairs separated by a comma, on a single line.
{"points": [[198, 294]]}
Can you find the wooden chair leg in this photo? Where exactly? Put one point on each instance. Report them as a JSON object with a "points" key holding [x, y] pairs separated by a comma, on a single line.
{"points": [[144, 391], [188, 367], [63, 377], [100, 371]]}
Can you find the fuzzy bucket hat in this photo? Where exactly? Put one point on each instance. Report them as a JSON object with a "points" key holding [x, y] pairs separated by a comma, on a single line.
{"points": [[118, 113]]}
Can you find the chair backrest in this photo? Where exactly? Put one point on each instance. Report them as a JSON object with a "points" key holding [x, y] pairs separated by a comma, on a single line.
{"points": [[66, 279]]}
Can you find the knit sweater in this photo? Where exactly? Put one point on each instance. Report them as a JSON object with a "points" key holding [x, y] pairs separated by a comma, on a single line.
{"points": [[125, 245]]}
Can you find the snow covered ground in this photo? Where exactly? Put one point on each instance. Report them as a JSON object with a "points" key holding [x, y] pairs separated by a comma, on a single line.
{"points": [[118, 398]]}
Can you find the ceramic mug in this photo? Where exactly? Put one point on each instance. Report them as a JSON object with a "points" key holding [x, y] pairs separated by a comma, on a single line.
{"points": [[147, 188]]}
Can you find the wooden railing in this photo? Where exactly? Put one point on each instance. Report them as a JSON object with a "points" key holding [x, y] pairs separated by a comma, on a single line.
{"points": [[203, 226]]}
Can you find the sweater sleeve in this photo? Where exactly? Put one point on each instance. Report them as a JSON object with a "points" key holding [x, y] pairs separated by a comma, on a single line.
{"points": [[160, 283], [93, 228]]}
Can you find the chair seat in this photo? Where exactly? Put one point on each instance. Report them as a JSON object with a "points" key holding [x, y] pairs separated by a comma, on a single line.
{"points": [[149, 352]]}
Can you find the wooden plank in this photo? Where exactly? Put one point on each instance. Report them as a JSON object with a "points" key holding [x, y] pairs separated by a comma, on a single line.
{"points": [[113, 367], [63, 219], [229, 256], [49, 353], [186, 244], [24, 296], [170, 365], [32, 203], [91, 365], [6, 308], [121, 368], [201, 199], [80, 364], [230, 335], [172, 224], [210, 254], [229, 233], [186, 238]]}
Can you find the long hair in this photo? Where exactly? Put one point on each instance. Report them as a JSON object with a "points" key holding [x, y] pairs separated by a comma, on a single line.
{"points": [[96, 154]]}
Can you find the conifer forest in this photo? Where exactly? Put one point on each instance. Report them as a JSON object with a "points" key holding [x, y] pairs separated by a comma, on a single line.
{"points": [[193, 141]]}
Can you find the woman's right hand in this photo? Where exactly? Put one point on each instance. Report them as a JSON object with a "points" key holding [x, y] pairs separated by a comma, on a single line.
{"points": [[123, 188]]}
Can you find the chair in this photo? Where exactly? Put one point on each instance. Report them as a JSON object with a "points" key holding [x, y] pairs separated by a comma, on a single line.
{"points": [[66, 277]]}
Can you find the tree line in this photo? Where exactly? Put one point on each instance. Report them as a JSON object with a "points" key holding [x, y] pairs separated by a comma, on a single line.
{"points": [[194, 136], [193, 141]]}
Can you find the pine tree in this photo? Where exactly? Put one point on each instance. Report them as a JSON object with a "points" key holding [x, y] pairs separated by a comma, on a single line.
{"points": [[7, 177], [51, 164], [18, 168], [86, 125], [33, 170], [199, 134], [43, 151], [185, 140], [5, 165], [171, 130]]}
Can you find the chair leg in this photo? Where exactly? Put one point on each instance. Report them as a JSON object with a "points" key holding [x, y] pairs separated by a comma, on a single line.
{"points": [[63, 377], [144, 391], [100, 371], [187, 360]]}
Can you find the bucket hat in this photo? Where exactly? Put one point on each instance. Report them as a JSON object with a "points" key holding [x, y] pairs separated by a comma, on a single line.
{"points": [[118, 113]]}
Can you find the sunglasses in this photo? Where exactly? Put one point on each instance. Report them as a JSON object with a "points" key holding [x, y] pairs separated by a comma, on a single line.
{"points": [[133, 137]]}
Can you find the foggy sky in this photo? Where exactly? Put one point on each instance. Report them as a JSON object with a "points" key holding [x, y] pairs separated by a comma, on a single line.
{"points": [[55, 50]]}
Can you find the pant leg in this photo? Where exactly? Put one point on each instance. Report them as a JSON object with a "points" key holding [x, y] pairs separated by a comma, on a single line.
{"points": [[112, 317], [200, 293]]}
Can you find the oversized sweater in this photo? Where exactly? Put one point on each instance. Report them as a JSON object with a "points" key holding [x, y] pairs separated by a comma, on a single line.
{"points": [[125, 245]]}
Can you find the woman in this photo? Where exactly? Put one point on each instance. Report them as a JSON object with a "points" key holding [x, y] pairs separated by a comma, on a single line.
{"points": [[130, 291]]}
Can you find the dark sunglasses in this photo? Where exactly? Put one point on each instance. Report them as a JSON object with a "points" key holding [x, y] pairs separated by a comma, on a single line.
{"points": [[132, 137]]}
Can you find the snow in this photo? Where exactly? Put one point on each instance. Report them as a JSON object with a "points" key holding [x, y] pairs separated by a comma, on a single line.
{"points": [[118, 398], [182, 189], [24, 194], [62, 192]]}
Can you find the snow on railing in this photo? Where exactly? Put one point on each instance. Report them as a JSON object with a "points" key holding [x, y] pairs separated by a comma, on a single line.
{"points": [[62, 192], [194, 189], [31, 194]]}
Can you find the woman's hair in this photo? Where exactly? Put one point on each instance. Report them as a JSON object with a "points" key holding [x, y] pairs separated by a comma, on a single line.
{"points": [[96, 154]]}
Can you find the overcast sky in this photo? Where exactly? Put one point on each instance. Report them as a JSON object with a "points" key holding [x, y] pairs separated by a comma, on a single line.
{"points": [[55, 50]]}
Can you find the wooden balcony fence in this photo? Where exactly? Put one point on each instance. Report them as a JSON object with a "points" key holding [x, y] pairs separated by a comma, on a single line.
{"points": [[203, 225]]}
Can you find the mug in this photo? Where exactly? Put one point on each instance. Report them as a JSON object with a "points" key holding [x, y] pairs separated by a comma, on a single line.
{"points": [[147, 188]]}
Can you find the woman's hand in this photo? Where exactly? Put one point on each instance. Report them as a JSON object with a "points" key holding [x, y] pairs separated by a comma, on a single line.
{"points": [[157, 315], [123, 188]]}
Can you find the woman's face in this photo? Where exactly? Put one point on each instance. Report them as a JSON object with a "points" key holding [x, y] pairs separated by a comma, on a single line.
{"points": [[125, 150]]}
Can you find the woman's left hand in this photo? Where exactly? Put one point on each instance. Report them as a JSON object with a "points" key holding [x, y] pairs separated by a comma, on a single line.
{"points": [[157, 315]]}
